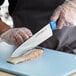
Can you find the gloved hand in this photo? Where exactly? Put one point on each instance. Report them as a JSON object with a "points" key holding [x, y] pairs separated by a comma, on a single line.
{"points": [[65, 14], [17, 35]]}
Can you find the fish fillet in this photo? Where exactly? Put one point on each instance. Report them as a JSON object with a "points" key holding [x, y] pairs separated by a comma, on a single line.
{"points": [[28, 55]]}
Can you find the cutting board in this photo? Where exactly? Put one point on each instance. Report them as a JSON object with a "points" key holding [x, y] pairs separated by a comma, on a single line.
{"points": [[51, 63]]}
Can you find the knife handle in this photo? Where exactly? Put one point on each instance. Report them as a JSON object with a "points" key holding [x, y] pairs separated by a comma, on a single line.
{"points": [[53, 25]]}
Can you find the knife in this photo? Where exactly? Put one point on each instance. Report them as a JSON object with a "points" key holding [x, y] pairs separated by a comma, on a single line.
{"points": [[36, 39]]}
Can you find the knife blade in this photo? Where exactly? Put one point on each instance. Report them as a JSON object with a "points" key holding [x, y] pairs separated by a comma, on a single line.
{"points": [[36, 39]]}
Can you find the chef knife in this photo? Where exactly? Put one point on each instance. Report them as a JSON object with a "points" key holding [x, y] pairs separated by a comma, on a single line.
{"points": [[36, 39]]}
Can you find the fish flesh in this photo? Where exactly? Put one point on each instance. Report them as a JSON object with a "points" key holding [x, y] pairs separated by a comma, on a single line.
{"points": [[27, 55]]}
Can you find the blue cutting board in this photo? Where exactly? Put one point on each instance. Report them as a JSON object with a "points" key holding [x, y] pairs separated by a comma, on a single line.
{"points": [[51, 63]]}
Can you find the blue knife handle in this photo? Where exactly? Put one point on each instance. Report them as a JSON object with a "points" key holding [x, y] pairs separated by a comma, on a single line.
{"points": [[53, 25]]}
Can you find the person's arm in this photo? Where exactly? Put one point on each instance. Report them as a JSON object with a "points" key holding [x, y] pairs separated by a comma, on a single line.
{"points": [[3, 27], [14, 35], [65, 14], [73, 1]]}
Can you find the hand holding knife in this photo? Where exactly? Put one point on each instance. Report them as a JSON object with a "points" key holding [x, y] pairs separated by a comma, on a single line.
{"points": [[36, 39]]}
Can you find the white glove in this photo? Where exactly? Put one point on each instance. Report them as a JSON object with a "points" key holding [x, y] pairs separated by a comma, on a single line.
{"points": [[65, 14], [17, 35]]}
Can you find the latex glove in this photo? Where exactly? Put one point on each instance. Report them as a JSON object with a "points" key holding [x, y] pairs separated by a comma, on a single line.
{"points": [[17, 35], [65, 14]]}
